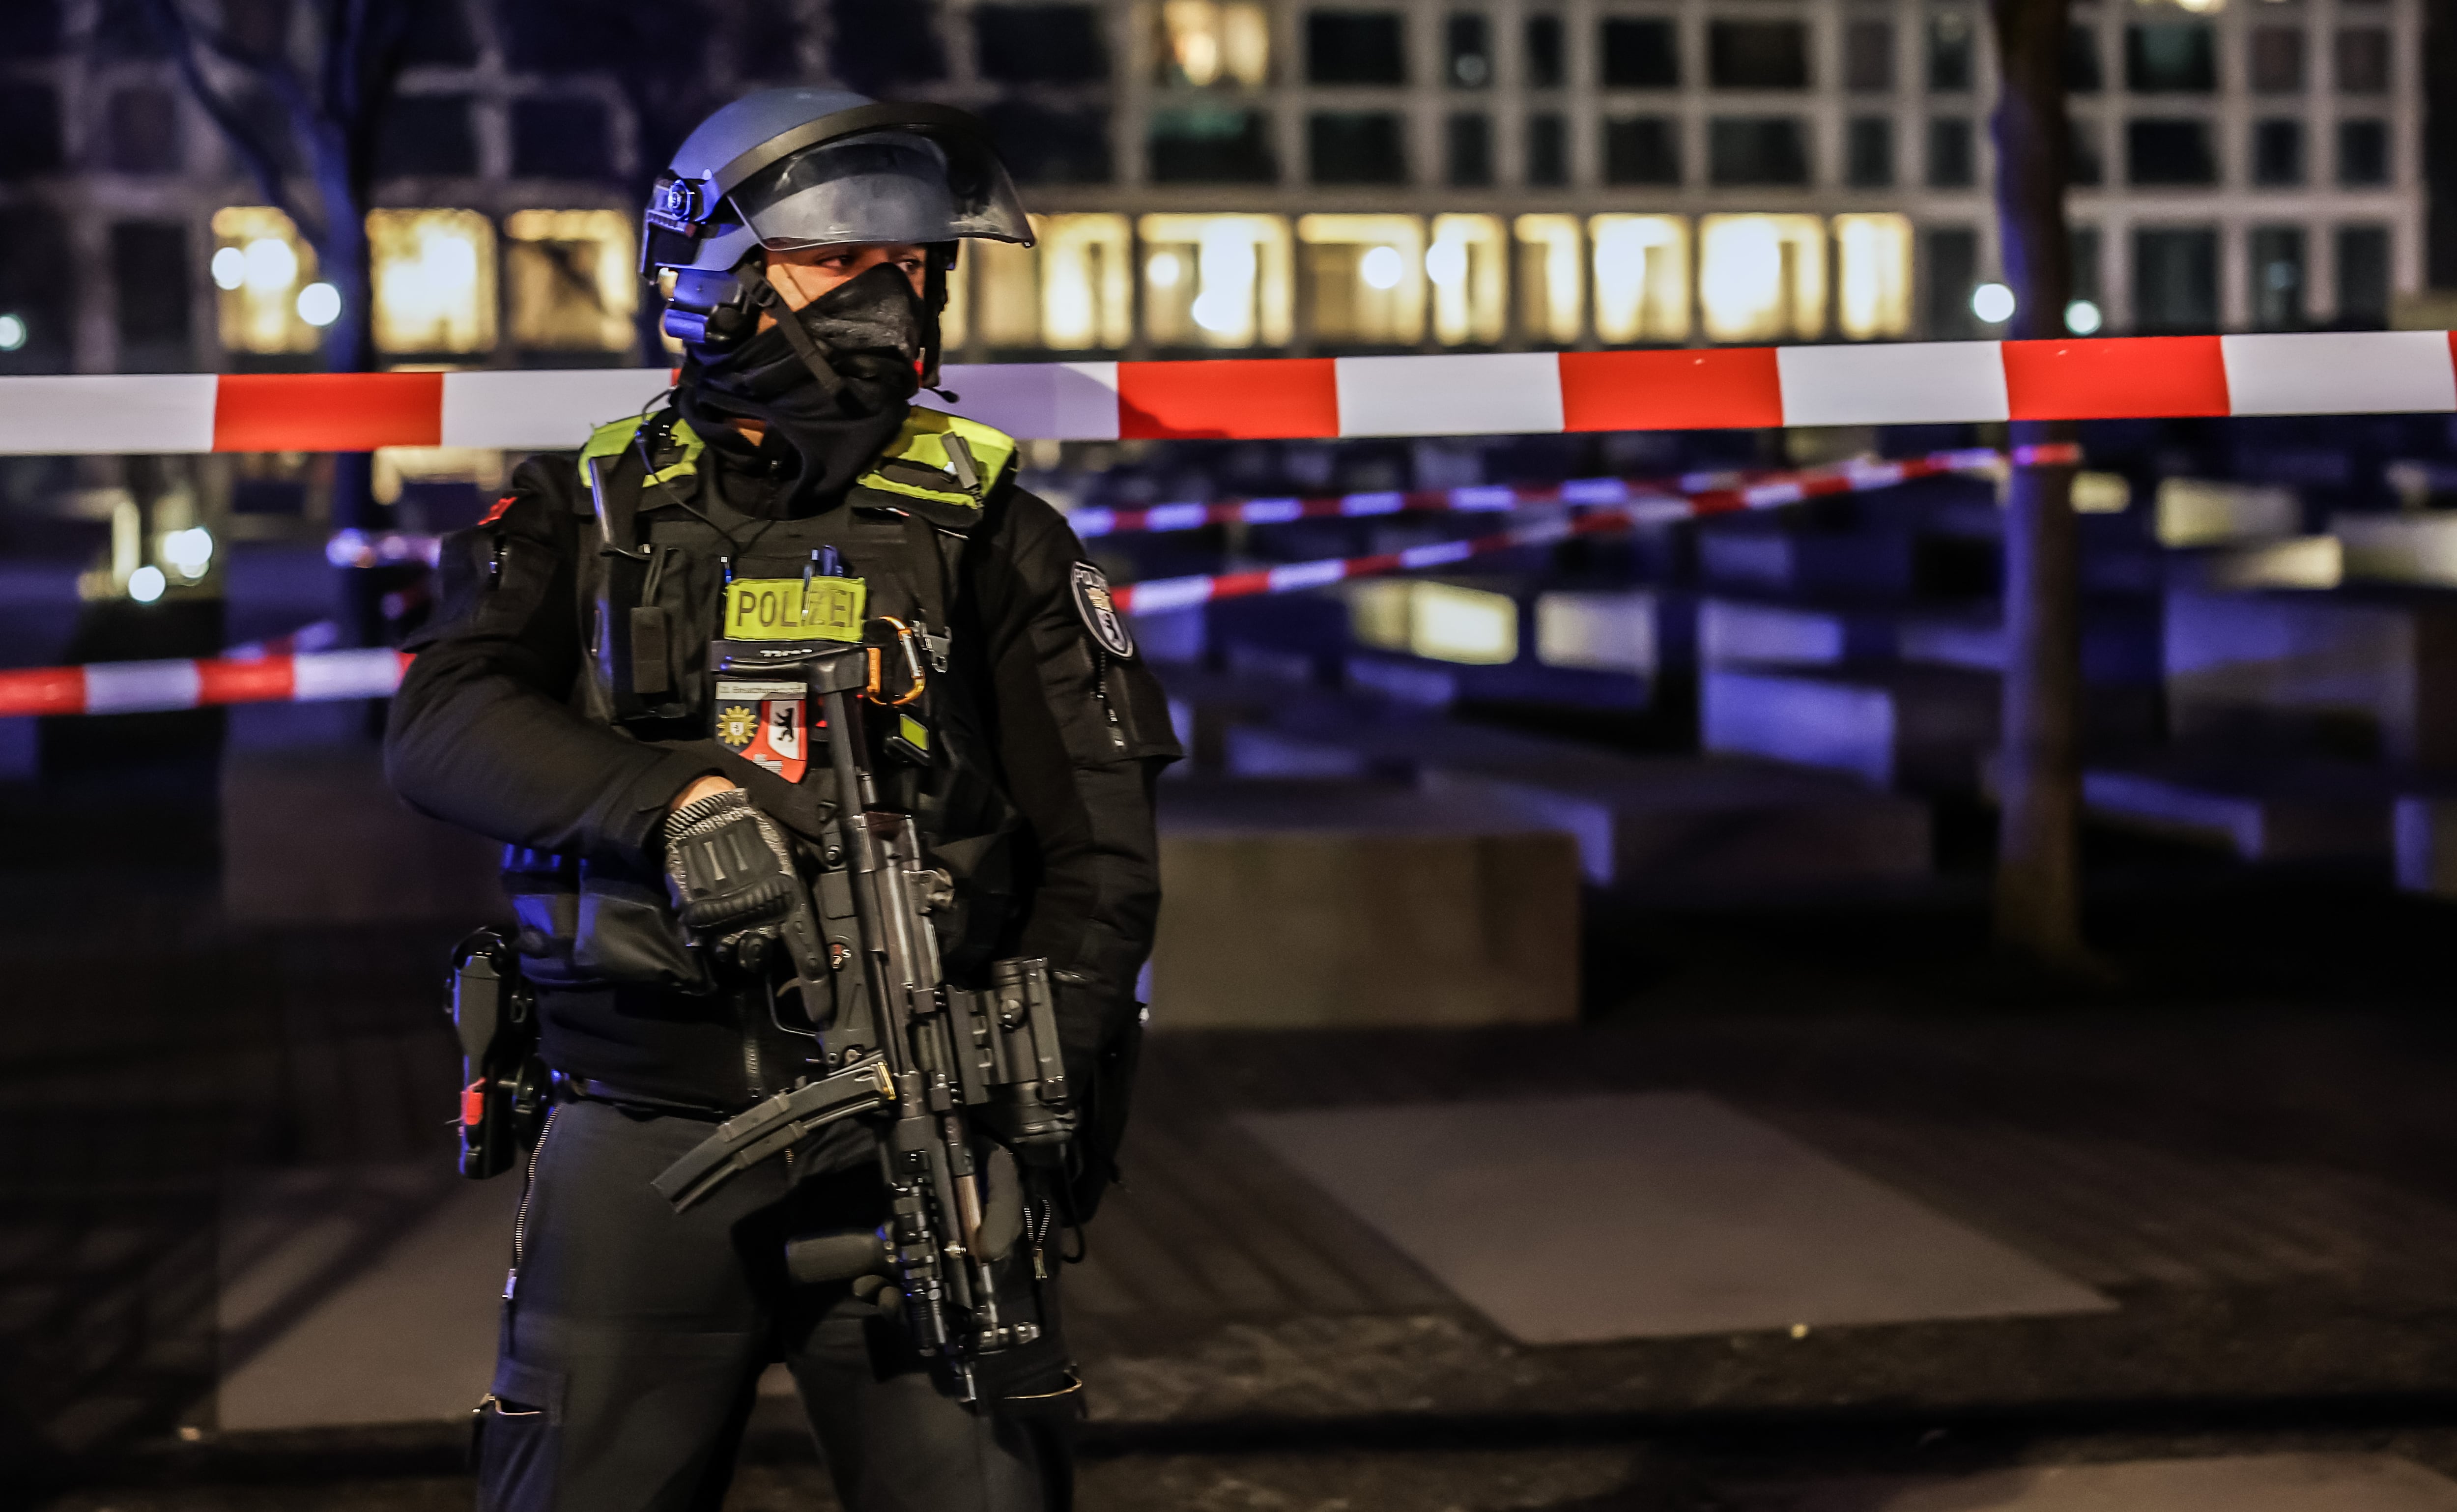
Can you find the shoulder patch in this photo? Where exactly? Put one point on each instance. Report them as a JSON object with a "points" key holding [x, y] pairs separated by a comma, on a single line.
{"points": [[501, 505], [1098, 611]]}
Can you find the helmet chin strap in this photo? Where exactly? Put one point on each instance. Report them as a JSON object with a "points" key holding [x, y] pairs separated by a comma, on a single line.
{"points": [[764, 292]]}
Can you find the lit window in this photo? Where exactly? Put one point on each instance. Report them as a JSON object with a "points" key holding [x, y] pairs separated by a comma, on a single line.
{"points": [[1762, 278], [1207, 42], [1365, 277], [1597, 632], [1641, 278], [1088, 287], [573, 287], [398, 470], [955, 322], [1551, 290], [1006, 294], [1873, 275], [1073, 289], [434, 280], [1216, 280], [259, 264], [1467, 265]]}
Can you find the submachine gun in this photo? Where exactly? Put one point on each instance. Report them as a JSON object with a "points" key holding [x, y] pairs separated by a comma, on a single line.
{"points": [[963, 1080]]}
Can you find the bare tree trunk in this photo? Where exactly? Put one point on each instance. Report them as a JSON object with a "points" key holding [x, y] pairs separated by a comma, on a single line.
{"points": [[2039, 864], [338, 160], [332, 114]]}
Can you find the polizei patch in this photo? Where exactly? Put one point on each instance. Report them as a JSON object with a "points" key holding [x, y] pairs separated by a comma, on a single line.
{"points": [[1099, 611]]}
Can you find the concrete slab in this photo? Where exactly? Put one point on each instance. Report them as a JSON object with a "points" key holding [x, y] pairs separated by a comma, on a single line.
{"points": [[1736, 632], [1761, 554], [2345, 668], [2207, 511], [2265, 810], [1889, 726], [1677, 828], [1601, 632], [1581, 1219], [2424, 831], [1297, 904], [1420, 682], [2418, 547], [1698, 829], [2280, 1482]]}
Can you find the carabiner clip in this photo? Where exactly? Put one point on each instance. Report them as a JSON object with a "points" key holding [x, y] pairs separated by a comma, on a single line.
{"points": [[908, 639]]}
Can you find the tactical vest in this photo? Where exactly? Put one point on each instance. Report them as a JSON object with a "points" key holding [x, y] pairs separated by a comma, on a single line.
{"points": [[652, 574], [648, 639]]}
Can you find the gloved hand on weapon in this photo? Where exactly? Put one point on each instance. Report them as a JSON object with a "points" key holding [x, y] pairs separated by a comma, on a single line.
{"points": [[728, 866]]}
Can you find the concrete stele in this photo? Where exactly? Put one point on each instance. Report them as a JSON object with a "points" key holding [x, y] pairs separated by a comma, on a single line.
{"points": [[1660, 1215]]}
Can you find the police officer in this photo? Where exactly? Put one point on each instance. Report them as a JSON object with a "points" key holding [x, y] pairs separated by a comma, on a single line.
{"points": [[561, 702]]}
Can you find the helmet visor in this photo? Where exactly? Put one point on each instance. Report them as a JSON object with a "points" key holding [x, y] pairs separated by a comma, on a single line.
{"points": [[890, 186]]}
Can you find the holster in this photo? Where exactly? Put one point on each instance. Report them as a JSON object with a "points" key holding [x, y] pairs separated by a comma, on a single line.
{"points": [[505, 1087]]}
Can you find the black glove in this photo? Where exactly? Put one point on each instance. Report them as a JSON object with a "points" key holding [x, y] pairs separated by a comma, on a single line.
{"points": [[727, 864]]}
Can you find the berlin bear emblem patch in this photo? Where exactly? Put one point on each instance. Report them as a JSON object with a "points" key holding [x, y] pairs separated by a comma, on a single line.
{"points": [[1099, 611]]}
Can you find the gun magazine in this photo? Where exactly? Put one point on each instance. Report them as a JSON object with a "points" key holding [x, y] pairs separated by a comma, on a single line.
{"points": [[771, 1129]]}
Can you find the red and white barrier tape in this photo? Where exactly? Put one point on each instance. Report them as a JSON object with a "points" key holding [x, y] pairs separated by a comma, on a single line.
{"points": [[1612, 505], [383, 549], [139, 687], [147, 686], [1498, 393], [392, 547], [1494, 498]]}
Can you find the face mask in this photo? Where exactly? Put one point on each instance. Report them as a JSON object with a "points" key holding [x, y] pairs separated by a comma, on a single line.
{"points": [[864, 337], [838, 396]]}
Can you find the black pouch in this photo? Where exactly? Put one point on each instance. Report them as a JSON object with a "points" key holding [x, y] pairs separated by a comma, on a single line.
{"points": [[630, 937], [583, 925], [545, 893]]}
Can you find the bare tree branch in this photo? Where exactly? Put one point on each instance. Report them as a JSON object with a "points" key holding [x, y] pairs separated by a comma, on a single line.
{"points": [[183, 38]]}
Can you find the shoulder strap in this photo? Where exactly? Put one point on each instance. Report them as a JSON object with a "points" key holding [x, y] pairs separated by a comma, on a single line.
{"points": [[940, 467], [629, 636], [664, 441]]}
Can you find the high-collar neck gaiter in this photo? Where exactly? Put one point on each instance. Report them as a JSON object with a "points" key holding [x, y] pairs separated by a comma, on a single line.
{"points": [[868, 331]]}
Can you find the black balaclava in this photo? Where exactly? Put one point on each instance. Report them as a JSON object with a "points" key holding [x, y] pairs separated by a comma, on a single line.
{"points": [[867, 331]]}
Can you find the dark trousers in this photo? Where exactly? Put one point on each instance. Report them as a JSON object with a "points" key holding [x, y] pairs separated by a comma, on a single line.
{"points": [[634, 1339]]}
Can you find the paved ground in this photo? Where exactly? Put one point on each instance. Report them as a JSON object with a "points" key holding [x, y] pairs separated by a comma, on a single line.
{"points": [[2247, 1145], [2374, 1473]]}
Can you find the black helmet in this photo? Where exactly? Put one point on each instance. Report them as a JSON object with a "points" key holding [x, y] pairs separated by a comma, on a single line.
{"points": [[808, 167]]}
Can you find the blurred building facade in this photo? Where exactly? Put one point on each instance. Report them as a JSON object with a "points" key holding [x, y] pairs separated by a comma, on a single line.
{"points": [[1235, 176]]}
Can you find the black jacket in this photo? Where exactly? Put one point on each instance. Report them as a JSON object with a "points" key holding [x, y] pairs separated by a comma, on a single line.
{"points": [[489, 732]]}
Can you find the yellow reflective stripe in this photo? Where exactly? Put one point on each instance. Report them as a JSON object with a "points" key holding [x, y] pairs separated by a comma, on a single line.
{"points": [[922, 442], [610, 439], [786, 609], [614, 438], [882, 484]]}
